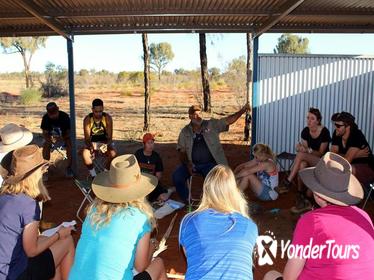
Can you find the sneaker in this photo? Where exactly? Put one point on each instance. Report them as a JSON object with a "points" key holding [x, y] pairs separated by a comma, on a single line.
{"points": [[302, 206], [284, 187], [69, 173]]}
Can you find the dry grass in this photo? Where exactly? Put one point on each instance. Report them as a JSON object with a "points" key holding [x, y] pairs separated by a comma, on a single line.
{"points": [[168, 110]]}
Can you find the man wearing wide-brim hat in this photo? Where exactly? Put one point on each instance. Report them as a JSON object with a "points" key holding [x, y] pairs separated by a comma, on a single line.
{"points": [[336, 240], [12, 137]]}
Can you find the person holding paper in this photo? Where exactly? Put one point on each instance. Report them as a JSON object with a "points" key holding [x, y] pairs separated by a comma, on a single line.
{"points": [[116, 233], [24, 254]]}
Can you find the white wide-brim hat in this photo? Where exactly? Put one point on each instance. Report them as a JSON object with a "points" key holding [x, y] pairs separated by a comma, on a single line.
{"points": [[13, 137]]}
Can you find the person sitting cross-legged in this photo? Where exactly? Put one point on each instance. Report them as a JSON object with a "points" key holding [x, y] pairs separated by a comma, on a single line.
{"points": [[199, 147], [260, 174], [151, 162], [98, 131], [335, 241], [116, 232]]}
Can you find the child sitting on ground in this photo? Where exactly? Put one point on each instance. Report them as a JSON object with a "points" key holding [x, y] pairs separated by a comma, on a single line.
{"points": [[260, 174]]}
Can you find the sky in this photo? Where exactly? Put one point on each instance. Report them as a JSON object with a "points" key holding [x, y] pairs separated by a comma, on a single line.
{"points": [[123, 52]]}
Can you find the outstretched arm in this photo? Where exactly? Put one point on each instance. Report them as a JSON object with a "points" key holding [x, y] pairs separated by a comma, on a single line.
{"points": [[234, 117]]}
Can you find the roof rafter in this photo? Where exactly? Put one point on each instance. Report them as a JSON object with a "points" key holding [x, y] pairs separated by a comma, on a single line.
{"points": [[285, 10], [33, 9]]}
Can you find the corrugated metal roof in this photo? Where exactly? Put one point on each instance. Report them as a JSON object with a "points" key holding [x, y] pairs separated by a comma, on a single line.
{"points": [[35, 17]]}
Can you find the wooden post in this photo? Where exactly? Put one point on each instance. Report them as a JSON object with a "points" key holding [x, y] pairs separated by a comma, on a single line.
{"points": [[147, 96]]}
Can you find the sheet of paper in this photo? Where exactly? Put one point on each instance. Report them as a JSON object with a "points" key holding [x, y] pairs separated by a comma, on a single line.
{"points": [[52, 231]]}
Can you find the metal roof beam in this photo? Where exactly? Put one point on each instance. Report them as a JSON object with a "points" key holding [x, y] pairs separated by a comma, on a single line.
{"points": [[285, 10], [33, 9]]}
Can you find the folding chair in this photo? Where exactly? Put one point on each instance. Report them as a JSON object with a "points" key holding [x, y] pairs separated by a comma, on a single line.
{"points": [[192, 201], [368, 195], [282, 160], [85, 187]]}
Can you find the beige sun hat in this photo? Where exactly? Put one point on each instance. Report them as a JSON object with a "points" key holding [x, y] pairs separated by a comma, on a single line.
{"points": [[13, 137], [123, 182], [332, 179], [25, 161]]}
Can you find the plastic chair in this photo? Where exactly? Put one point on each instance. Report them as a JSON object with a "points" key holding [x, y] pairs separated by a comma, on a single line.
{"points": [[85, 187]]}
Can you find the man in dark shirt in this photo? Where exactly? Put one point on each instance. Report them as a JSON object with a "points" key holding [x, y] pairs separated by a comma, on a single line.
{"points": [[350, 142], [151, 162], [56, 127]]}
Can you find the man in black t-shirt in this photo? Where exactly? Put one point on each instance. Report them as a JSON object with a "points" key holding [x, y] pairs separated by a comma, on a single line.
{"points": [[56, 127], [151, 162], [350, 142]]}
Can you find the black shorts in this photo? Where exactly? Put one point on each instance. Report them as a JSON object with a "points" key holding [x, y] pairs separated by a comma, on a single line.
{"points": [[41, 267], [143, 276]]}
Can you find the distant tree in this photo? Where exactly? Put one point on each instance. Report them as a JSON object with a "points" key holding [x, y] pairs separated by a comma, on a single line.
{"points": [[214, 73], [235, 77], [292, 44], [83, 72], [26, 46], [160, 55], [180, 71], [204, 72], [55, 84]]}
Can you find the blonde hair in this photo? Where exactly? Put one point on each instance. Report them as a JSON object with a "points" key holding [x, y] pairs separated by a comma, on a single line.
{"points": [[263, 149], [101, 212], [32, 186], [221, 193]]}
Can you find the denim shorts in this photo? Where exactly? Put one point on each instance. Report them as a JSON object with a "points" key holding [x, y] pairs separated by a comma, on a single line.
{"points": [[264, 195]]}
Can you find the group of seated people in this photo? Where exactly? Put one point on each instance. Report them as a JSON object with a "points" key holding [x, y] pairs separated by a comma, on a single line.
{"points": [[218, 238]]}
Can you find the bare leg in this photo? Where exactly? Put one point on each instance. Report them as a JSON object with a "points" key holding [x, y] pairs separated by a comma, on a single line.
{"points": [[87, 160], [310, 159], [63, 254], [300, 184], [111, 154], [157, 269], [253, 182], [47, 150]]}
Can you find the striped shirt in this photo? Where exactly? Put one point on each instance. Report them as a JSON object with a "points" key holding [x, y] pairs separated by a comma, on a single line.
{"points": [[218, 246]]}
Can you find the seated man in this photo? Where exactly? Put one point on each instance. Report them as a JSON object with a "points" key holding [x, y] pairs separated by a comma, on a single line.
{"points": [[98, 129], [151, 162], [349, 142], [199, 146], [56, 127]]}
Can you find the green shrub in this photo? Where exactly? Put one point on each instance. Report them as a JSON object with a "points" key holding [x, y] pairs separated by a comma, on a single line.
{"points": [[30, 96]]}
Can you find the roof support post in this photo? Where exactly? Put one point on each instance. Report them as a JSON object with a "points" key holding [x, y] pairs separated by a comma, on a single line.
{"points": [[72, 105], [255, 90]]}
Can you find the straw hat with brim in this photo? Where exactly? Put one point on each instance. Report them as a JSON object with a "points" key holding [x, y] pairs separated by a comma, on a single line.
{"points": [[332, 179], [25, 161], [123, 182], [14, 137]]}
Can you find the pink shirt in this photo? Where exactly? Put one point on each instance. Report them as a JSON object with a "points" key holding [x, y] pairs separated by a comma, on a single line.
{"points": [[341, 242]]}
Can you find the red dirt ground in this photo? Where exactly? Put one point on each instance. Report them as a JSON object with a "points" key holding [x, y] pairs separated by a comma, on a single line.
{"points": [[66, 199]]}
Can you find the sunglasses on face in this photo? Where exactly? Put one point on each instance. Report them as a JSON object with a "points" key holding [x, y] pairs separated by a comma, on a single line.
{"points": [[339, 125]]}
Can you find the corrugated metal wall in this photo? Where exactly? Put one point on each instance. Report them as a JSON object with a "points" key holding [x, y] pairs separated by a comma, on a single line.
{"points": [[290, 84]]}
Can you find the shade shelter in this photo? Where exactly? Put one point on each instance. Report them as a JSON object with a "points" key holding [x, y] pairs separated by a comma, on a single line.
{"points": [[70, 18]]}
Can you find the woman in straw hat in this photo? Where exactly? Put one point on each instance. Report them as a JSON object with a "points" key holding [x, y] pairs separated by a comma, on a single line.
{"points": [[116, 232], [335, 241], [24, 254], [218, 238]]}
